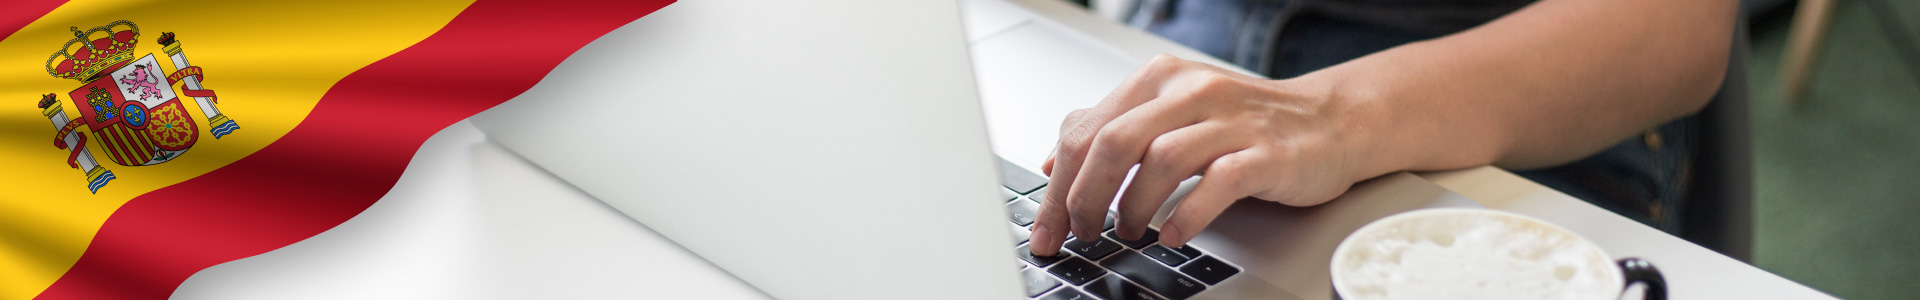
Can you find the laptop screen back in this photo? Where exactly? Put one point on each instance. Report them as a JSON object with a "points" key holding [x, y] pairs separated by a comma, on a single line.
{"points": [[816, 149]]}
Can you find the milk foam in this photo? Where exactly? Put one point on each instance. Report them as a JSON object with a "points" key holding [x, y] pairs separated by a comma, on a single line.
{"points": [[1468, 254]]}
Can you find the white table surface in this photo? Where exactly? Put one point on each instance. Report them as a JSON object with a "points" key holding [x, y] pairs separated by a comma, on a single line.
{"points": [[470, 220]]}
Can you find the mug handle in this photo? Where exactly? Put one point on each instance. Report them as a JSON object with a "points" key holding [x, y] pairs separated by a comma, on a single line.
{"points": [[1639, 270]]}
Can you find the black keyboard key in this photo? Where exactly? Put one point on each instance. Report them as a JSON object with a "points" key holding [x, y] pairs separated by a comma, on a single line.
{"points": [[1066, 294], [1209, 270], [1098, 248], [1022, 212], [1161, 279], [1038, 282], [1152, 236], [1039, 261], [1019, 179], [1115, 288], [1007, 195], [1108, 224], [1165, 256], [1020, 234], [1188, 250], [1077, 270]]}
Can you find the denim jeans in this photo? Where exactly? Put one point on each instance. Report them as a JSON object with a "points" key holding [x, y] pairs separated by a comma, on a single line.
{"points": [[1643, 178]]}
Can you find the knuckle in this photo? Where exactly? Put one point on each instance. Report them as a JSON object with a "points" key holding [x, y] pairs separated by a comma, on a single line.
{"points": [[1212, 82], [1073, 117], [1072, 205], [1286, 152], [1192, 218], [1074, 143], [1116, 135], [1231, 166], [1281, 193], [1070, 150], [1162, 59], [1163, 63], [1163, 156], [1068, 153], [1238, 171], [1088, 211], [1075, 122]]}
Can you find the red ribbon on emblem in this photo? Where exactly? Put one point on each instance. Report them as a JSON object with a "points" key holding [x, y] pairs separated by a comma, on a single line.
{"points": [[194, 72]]}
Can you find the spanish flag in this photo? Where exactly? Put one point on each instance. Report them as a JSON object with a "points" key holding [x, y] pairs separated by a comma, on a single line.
{"points": [[143, 141]]}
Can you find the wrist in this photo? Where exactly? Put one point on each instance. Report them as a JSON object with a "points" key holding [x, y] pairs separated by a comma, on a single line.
{"points": [[1369, 131], [1399, 123]]}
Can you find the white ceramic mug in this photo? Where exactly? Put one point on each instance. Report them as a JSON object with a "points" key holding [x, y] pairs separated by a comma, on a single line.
{"points": [[1462, 253]]}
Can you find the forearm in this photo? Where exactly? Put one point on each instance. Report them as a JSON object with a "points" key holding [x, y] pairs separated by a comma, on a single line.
{"points": [[1545, 85]]}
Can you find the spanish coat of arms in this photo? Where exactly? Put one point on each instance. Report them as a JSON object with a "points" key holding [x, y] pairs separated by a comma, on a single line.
{"points": [[128, 104]]}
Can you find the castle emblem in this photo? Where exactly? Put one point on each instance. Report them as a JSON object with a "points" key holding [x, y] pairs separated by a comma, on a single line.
{"points": [[127, 104]]}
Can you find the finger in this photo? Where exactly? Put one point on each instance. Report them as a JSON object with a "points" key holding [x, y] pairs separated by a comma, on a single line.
{"points": [[1048, 230], [1076, 137], [1116, 149], [1228, 179], [1046, 238], [1171, 158], [1076, 133], [1047, 168], [1073, 117]]}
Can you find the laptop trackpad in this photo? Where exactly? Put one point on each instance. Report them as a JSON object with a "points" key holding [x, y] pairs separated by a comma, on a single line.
{"points": [[1292, 247]]}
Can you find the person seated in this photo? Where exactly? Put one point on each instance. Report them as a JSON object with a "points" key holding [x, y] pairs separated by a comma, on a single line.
{"points": [[1371, 87]]}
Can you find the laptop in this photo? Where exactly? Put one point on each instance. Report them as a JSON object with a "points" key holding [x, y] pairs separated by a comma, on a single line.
{"points": [[842, 150]]}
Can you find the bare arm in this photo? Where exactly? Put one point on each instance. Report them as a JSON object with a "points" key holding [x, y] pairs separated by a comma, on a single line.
{"points": [[1550, 83]]}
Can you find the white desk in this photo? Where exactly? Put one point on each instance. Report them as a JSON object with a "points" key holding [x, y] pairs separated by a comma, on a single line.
{"points": [[469, 220]]}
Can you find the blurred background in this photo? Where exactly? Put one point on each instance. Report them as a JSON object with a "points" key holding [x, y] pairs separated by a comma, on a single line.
{"points": [[1837, 165], [1833, 87]]}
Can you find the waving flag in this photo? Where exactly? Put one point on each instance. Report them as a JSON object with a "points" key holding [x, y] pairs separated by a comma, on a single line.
{"points": [[143, 141]]}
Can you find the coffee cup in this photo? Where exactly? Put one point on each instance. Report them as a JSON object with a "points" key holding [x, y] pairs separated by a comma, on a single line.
{"points": [[1461, 253]]}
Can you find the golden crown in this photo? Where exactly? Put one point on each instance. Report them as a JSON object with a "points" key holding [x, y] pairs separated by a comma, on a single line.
{"points": [[100, 48]]}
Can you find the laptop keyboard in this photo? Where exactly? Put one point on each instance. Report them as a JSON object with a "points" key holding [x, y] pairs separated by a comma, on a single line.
{"points": [[1107, 267]]}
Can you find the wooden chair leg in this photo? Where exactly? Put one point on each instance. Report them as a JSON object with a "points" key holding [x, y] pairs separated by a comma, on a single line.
{"points": [[1803, 45]]}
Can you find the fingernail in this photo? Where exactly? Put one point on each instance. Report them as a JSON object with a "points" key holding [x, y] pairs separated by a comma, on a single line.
{"points": [[1170, 236], [1041, 236]]}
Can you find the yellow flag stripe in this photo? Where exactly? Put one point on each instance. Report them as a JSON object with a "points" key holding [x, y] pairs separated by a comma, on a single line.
{"points": [[273, 61]]}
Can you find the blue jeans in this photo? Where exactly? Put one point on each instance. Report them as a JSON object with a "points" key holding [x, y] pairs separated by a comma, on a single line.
{"points": [[1643, 178]]}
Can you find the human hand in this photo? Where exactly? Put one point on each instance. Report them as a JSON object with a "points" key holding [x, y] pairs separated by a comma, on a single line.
{"points": [[1277, 140]]}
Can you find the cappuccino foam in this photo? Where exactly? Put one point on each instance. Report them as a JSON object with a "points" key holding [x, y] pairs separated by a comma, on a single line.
{"points": [[1471, 254]]}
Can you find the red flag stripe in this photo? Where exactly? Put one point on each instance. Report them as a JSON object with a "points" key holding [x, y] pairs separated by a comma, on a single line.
{"points": [[344, 156], [137, 144], [115, 143], [119, 143], [142, 144], [146, 142], [104, 140], [15, 14], [127, 143]]}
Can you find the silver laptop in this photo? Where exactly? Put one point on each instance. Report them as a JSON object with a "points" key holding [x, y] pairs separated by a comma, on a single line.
{"points": [[840, 150]]}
